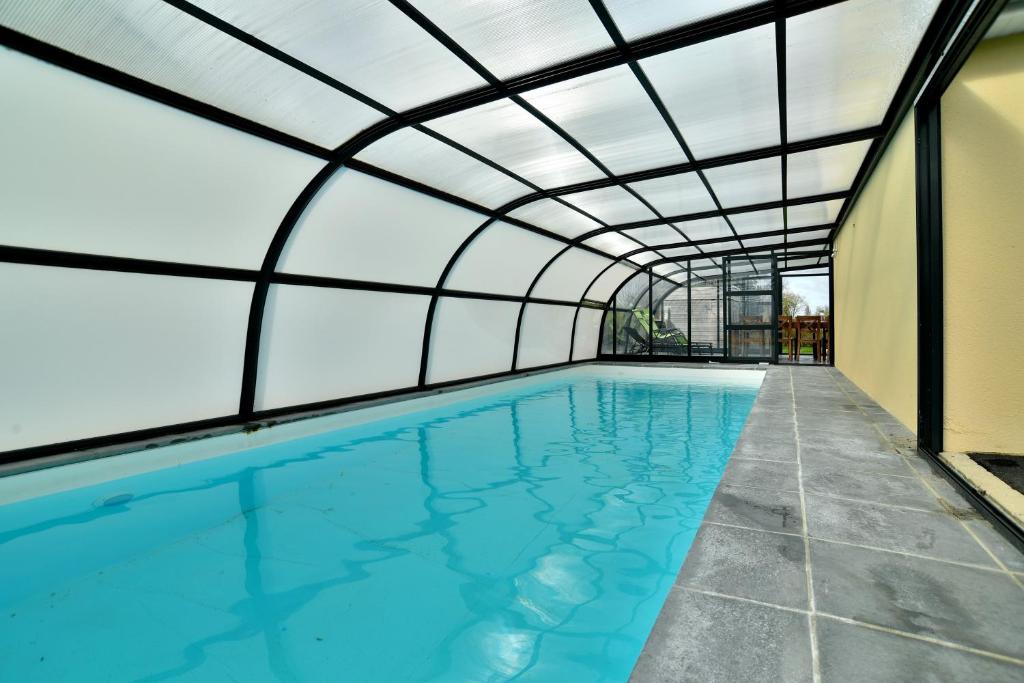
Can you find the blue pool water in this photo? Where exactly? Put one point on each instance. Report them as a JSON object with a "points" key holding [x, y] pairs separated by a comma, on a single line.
{"points": [[530, 535]]}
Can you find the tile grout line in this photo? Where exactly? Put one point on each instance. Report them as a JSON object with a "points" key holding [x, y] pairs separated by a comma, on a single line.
{"points": [[968, 565], [812, 621], [1013, 577], [855, 622]]}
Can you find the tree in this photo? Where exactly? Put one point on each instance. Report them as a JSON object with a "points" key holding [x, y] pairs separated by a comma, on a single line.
{"points": [[794, 304], [821, 310]]}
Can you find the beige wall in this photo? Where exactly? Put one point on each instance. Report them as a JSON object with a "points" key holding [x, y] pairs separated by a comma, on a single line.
{"points": [[983, 250], [876, 284]]}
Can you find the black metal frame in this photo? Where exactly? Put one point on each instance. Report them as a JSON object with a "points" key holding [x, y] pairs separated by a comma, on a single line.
{"points": [[623, 53], [930, 295]]}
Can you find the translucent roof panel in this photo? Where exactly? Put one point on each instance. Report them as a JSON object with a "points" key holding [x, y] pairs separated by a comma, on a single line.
{"points": [[721, 93], [319, 344], [720, 246], [517, 37], [611, 115], [366, 44], [418, 156], [612, 205], [160, 44], [614, 243], [656, 234], [608, 282], [682, 252], [507, 134], [751, 182], [819, 213], [567, 277], [757, 221], [750, 243], [216, 197], [705, 228], [470, 338], [676, 195], [670, 271], [808, 236], [640, 18], [486, 266], [645, 257], [828, 169], [545, 336], [363, 228], [555, 217], [845, 62]]}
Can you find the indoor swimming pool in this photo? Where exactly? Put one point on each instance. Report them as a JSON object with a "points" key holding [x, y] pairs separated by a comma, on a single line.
{"points": [[527, 530]]}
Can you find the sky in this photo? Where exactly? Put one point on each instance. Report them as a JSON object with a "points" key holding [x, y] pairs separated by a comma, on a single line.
{"points": [[814, 289]]}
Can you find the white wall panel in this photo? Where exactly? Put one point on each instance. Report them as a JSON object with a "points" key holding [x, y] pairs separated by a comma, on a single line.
{"points": [[588, 332], [503, 259], [569, 275], [88, 353], [363, 228], [545, 336], [471, 337], [321, 344], [92, 168]]}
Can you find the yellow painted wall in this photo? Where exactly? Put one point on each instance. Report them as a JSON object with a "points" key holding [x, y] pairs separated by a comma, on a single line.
{"points": [[983, 250], [875, 273]]}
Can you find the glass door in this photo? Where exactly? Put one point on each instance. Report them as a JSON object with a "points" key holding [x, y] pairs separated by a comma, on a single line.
{"points": [[751, 302]]}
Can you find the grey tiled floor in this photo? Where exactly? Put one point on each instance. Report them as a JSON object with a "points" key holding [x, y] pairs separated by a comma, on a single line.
{"points": [[832, 552]]}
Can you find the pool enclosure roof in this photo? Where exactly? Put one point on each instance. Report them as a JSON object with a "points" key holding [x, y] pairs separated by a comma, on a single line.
{"points": [[411, 193]]}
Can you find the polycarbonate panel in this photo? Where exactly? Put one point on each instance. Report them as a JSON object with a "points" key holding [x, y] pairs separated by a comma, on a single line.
{"points": [[720, 246], [820, 213], [794, 263], [721, 93], [503, 259], [610, 114], [751, 182], [845, 62], [614, 243], [419, 157], [515, 37], [84, 179], [321, 344], [366, 44], [555, 217], [612, 205], [676, 195], [588, 332], [507, 134], [641, 18], [705, 228], [362, 228], [808, 236], [470, 338], [568, 276], [757, 221], [89, 353], [829, 169], [160, 44], [752, 242], [671, 271], [683, 252], [545, 337], [606, 284], [645, 257], [656, 234]]}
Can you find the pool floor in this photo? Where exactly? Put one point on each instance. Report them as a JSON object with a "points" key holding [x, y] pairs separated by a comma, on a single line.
{"points": [[530, 535]]}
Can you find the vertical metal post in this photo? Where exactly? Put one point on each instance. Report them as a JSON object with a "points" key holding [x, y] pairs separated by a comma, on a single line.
{"points": [[831, 313], [689, 310], [650, 311]]}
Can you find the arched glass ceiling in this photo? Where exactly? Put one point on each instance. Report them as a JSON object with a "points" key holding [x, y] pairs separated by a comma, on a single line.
{"points": [[403, 193]]}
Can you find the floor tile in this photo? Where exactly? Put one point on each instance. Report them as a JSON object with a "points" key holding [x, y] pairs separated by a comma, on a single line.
{"points": [[855, 653], [756, 508], [750, 564], [829, 480], [860, 460], [703, 638], [973, 607], [934, 534], [777, 476]]}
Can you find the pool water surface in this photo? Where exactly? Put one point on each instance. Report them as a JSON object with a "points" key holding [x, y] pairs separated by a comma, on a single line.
{"points": [[531, 534]]}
